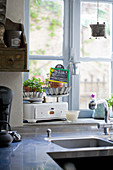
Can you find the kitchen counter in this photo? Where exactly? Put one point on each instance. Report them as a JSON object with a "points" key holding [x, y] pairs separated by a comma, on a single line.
{"points": [[31, 152]]}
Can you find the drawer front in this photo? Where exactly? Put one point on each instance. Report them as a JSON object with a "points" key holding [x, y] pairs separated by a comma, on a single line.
{"points": [[13, 61]]}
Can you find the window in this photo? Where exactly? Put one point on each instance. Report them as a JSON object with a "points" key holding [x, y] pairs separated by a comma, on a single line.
{"points": [[46, 27], [95, 76], [41, 68], [90, 47], [45, 35], [59, 32]]}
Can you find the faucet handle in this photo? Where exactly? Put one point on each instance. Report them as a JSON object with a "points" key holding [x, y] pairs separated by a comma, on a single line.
{"points": [[105, 125], [48, 133]]}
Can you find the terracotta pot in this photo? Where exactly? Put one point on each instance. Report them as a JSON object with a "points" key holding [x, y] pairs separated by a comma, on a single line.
{"points": [[55, 84], [27, 89], [34, 90]]}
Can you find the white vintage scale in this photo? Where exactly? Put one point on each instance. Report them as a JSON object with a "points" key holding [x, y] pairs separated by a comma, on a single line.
{"points": [[34, 110]]}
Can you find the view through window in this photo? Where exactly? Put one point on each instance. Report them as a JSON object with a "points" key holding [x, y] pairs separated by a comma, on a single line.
{"points": [[46, 27], [41, 68], [94, 76], [46, 39], [91, 47], [46, 34]]}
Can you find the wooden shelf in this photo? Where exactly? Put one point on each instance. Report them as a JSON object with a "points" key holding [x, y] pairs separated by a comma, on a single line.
{"points": [[13, 70], [14, 59], [12, 49]]}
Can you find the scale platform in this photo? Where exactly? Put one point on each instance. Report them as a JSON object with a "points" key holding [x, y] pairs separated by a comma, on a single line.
{"points": [[37, 112]]}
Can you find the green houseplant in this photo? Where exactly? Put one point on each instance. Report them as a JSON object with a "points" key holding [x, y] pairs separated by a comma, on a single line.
{"points": [[110, 101], [110, 105], [33, 85], [46, 83]]}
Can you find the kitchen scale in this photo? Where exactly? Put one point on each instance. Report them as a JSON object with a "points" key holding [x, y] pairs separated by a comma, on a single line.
{"points": [[34, 110]]}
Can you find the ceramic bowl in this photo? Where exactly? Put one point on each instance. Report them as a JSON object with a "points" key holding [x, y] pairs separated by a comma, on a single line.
{"points": [[72, 115]]}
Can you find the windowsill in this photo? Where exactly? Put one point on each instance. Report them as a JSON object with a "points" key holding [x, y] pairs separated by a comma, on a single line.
{"points": [[80, 121], [61, 126]]}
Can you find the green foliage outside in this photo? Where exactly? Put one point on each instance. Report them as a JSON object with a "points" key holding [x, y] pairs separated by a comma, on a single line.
{"points": [[39, 11], [36, 8]]}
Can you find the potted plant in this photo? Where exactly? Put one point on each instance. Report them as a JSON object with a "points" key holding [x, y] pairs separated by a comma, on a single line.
{"points": [[110, 104], [56, 84], [110, 101], [49, 84], [46, 83], [33, 85]]}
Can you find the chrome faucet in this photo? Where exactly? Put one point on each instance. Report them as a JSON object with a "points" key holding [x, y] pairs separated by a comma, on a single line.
{"points": [[107, 124]]}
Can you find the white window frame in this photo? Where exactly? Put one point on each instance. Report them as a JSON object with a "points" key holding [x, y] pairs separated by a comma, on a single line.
{"points": [[66, 36], [76, 46], [71, 47], [66, 33]]}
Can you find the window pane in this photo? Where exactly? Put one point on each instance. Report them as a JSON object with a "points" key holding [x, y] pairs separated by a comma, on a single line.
{"points": [[94, 78], [40, 68], [46, 27], [91, 47]]}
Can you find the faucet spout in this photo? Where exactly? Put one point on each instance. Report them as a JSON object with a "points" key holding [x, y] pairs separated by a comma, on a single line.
{"points": [[107, 121], [106, 126], [106, 118]]}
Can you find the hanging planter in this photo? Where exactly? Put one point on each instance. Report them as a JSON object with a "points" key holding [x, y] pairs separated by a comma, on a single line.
{"points": [[98, 30]]}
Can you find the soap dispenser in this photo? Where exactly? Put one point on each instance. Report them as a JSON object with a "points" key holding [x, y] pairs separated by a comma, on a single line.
{"points": [[92, 103]]}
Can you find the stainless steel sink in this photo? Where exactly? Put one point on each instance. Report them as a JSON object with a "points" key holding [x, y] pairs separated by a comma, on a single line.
{"points": [[84, 142], [83, 153]]}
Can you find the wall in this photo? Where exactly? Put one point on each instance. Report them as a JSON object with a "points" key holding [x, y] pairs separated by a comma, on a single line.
{"points": [[14, 82], [15, 11]]}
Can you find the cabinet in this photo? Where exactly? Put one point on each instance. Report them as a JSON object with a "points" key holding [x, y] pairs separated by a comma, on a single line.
{"points": [[13, 59]]}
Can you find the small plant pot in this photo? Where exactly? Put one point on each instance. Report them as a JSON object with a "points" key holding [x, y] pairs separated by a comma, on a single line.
{"points": [[34, 90], [55, 84], [27, 89]]}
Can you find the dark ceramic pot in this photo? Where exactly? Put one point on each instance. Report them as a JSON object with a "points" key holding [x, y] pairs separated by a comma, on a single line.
{"points": [[5, 139]]}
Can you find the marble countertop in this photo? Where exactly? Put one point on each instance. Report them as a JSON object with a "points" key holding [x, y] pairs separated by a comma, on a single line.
{"points": [[31, 152]]}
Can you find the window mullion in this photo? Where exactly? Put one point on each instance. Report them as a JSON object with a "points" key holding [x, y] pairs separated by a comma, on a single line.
{"points": [[66, 42], [105, 1], [37, 57], [75, 54], [112, 54], [88, 59], [26, 23]]}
